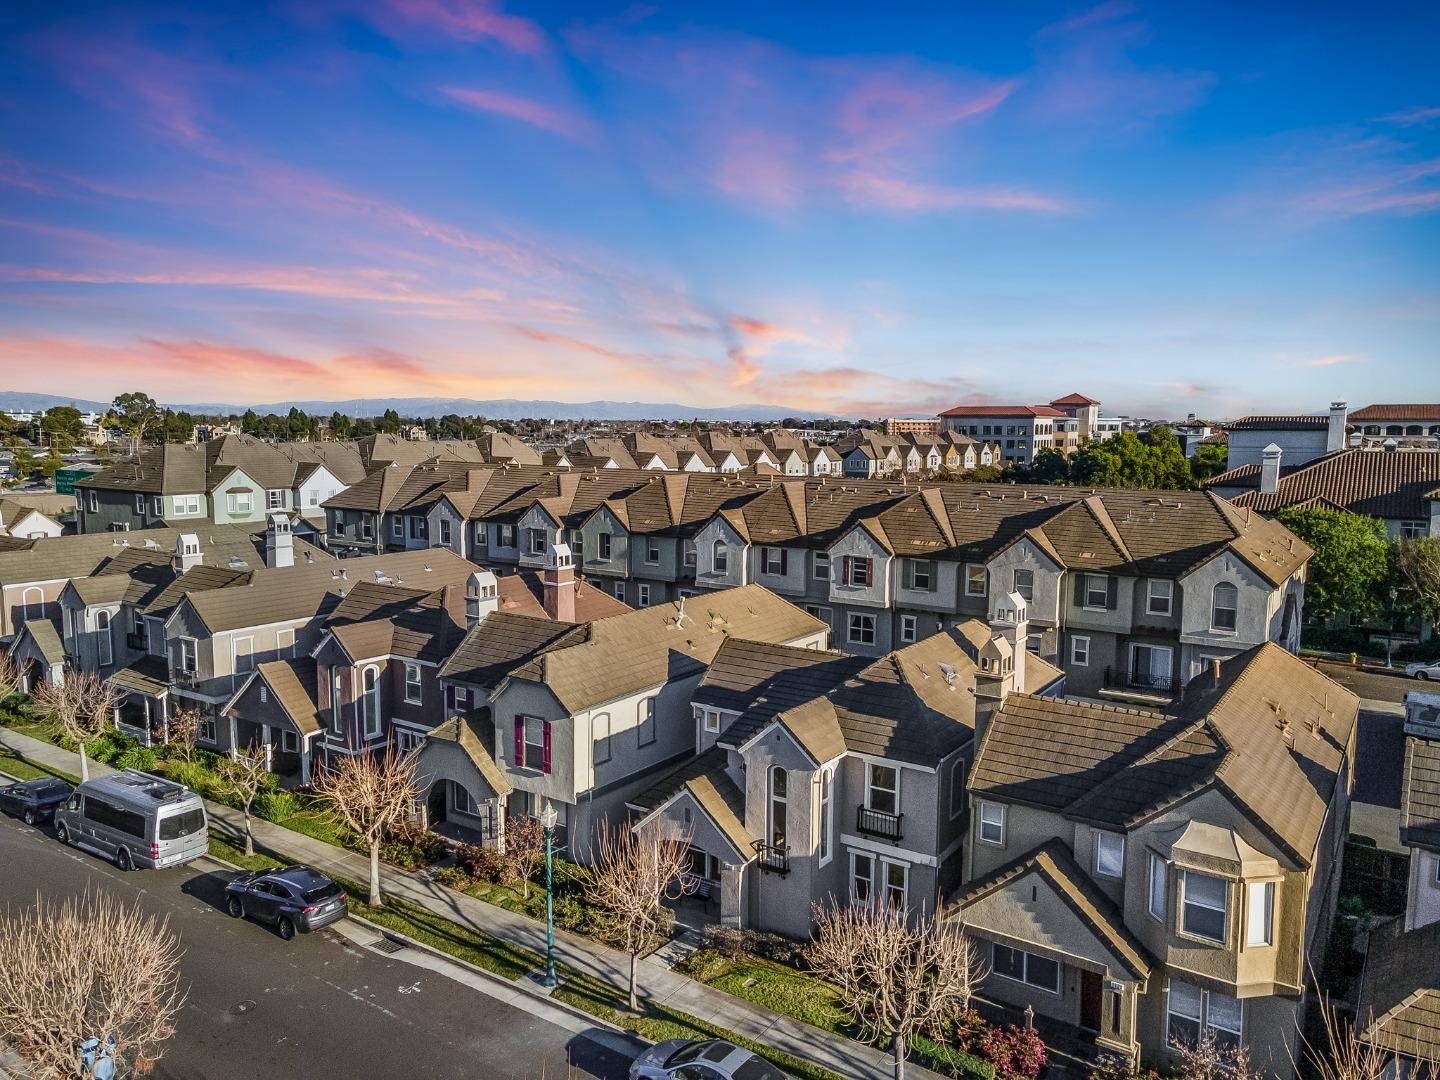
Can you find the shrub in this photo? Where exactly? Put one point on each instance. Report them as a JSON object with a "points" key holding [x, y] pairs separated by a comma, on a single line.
{"points": [[570, 913], [1115, 1068], [136, 757], [728, 941], [952, 1061], [1014, 1051], [453, 877], [194, 776], [1419, 650], [703, 964], [1340, 639], [776, 949], [427, 846], [484, 865], [277, 806], [109, 747]]}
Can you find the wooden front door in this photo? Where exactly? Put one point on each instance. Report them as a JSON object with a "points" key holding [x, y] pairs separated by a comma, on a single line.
{"points": [[1091, 997]]}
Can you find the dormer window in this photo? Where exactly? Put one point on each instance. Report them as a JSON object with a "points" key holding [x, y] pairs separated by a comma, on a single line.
{"points": [[1025, 584], [720, 557]]}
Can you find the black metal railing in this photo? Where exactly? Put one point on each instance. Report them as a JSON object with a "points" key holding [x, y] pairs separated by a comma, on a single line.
{"points": [[878, 823], [136, 641], [771, 857], [1120, 679]]}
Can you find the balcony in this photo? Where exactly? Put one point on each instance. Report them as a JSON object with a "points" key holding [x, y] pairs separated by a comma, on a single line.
{"points": [[136, 642], [1141, 682], [771, 858], [878, 823], [185, 677]]}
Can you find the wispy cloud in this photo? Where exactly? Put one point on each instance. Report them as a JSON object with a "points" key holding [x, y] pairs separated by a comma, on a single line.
{"points": [[464, 20], [566, 124], [1416, 116], [1329, 361]]}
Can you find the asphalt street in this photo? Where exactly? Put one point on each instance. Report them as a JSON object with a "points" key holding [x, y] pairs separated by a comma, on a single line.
{"points": [[315, 1007]]}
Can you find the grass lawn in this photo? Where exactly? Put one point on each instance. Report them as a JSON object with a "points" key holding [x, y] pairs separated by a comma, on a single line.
{"points": [[22, 769]]}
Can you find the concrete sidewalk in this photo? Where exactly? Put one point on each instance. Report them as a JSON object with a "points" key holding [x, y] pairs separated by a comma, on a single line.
{"points": [[657, 983]]}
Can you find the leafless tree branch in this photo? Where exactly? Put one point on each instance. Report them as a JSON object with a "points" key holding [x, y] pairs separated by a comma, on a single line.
{"points": [[242, 776], [370, 794], [83, 704]]}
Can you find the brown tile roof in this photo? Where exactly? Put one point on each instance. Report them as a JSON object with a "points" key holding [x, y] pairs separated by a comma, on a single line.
{"points": [[1273, 734], [1395, 412], [477, 740], [1300, 422], [1399, 1002], [1013, 411], [1074, 399], [1055, 862], [293, 683], [501, 641], [1420, 794], [1376, 483], [704, 778], [523, 594]]}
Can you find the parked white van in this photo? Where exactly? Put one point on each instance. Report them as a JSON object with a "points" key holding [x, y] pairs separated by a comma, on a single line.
{"points": [[135, 819]]}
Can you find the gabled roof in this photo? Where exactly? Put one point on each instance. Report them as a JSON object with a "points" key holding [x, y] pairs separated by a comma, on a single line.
{"points": [[477, 739], [292, 684], [1075, 399], [1399, 1003], [45, 633], [409, 624], [1397, 484], [1420, 794], [705, 780]]}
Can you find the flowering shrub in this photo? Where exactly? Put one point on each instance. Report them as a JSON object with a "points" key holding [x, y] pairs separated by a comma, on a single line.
{"points": [[482, 864], [1014, 1051]]}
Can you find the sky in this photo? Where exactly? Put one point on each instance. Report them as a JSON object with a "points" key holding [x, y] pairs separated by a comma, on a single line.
{"points": [[863, 209]]}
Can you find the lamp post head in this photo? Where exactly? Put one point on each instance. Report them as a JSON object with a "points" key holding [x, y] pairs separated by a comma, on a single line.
{"points": [[549, 816]]}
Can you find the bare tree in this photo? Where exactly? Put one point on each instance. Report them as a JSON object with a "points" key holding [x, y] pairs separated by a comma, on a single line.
{"points": [[242, 776], [900, 974], [1206, 1059], [83, 704], [370, 794], [1344, 1056], [9, 676], [182, 732], [522, 850], [86, 968], [630, 873], [1416, 564]]}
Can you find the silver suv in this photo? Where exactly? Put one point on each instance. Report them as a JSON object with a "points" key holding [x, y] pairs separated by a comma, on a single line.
{"points": [[135, 819]]}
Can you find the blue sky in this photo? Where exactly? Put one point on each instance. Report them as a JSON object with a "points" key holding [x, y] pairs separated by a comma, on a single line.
{"points": [[861, 208]]}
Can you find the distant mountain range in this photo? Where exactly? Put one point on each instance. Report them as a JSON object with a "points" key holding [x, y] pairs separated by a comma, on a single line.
{"points": [[424, 408]]}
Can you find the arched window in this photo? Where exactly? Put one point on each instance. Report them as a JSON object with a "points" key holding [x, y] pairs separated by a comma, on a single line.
{"points": [[1225, 600], [337, 684], [823, 849], [370, 700], [779, 796], [32, 604], [721, 560], [104, 644]]}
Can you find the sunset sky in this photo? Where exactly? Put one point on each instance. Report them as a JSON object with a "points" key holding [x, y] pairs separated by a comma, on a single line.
{"points": [[864, 209]]}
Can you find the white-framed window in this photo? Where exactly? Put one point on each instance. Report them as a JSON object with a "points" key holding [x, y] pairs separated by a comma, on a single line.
{"points": [[861, 629], [397, 527], [882, 788], [206, 729], [819, 611], [1225, 600], [244, 654], [336, 687], [285, 641], [1097, 592], [772, 560], [920, 575], [909, 628], [1024, 584], [370, 701], [652, 550], [445, 534], [140, 504], [824, 847], [419, 527], [275, 499], [414, 688], [645, 725], [240, 502], [505, 535], [1020, 966], [620, 591], [958, 770], [482, 535], [577, 544], [1159, 596], [534, 742], [1079, 650], [720, 557], [1110, 854], [857, 571], [535, 541], [187, 654], [642, 594], [600, 737], [367, 527], [710, 720], [1159, 879], [897, 884], [778, 805], [104, 641], [1191, 1011], [820, 566], [976, 579], [157, 505], [862, 877], [992, 824], [1414, 530], [1205, 905], [1185, 1010], [406, 740], [692, 554], [1260, 913], [289, 741], [186, 505], [92, 501]]}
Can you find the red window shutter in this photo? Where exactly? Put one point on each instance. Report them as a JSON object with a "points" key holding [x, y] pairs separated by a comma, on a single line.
{"points": [[520, 741], [545, 750], [869, 573]]}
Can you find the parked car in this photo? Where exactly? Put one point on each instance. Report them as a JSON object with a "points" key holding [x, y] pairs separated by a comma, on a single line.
{"points": [[135, 819], [295, 898], [34, 800], [1423, 669], [706, 1059]]}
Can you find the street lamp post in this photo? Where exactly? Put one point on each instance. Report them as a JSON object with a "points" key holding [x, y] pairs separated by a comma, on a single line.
{"points": [[548, 818]]}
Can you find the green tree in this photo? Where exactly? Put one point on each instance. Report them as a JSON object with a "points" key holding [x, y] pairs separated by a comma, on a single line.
{"points": [[62, 426], [22, 461], [340, 426], [1049, 467], [1350, 571], [1152, 460], [178, 427], [250, 422], [137, 414], [52, 464], [1211, 459], [390, 422]]}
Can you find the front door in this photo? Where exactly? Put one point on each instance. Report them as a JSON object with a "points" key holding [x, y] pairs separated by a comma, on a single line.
{"points": [[1090, 1000]]}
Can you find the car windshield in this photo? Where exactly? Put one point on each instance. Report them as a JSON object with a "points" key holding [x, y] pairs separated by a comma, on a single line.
{"points": [[324, 892], [182, 824], [50, 787], [691, 1051], [754, 1068]]}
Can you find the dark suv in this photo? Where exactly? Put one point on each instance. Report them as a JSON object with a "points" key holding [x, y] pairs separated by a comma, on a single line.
{"points": [[34, 800], [295, 898]]}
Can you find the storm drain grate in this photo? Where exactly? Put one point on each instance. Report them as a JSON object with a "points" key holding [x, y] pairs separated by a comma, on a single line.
{"points": [[385, 945]]}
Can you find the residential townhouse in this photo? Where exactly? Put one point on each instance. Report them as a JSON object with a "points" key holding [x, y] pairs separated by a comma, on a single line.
{"points": [[32, 517], [820, 776], [1150, 877], [582, 716], [1420, 808], [1400, 487]]}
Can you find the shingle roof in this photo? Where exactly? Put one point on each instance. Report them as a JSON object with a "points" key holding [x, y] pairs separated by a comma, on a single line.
{"points": [[1399, 1002], [1272, 734], [46, 635], [1420, 794], [1396, 412], [1376, 483], [704, 778], [149, 675], [477, 740], [492, 649], [412, 624]]}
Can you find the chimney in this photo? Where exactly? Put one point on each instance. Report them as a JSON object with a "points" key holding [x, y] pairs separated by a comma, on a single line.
{"points": [[482, 596], [557, 578], [1270, 469], [1214, 671], [1010, 620], [994, 681], [279, 543], [187, 553], [1335, 434], [475, 480]]}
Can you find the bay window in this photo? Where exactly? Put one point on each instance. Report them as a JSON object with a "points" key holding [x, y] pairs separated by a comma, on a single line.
{"points": [[1205, 910], [1259, 913]]}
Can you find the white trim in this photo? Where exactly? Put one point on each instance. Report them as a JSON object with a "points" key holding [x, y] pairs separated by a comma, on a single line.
{"points": [[684, 792], [766, 730], [871, 847], [980, 823]]}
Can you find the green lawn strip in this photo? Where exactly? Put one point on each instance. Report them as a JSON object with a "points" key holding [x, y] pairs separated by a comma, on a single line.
{"points": [[24, 769]]}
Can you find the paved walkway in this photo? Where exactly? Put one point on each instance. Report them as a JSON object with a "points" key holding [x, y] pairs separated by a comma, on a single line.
{"points": [[852, 1060]]}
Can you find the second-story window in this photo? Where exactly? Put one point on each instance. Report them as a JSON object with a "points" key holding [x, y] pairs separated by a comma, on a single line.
{"points": [[240, 502], [976, 578], [645, 728], [600, 737], [920, 575], [720, 557], [1096, 592], [820, 568], [397, 527], [419, 527], [1110, 854], [104, 642], [187, 655], [1225, 601], [505, 535], [823, 847], [532, 743], [773, 560], [909, 628], [274, 498], [1159, 879], [413, 692], [370, 701], [535, 541], [1205, 912], [710, 720], [859, 569], [691, 554], [336, 686], [882, 789], [652, 550], [1159, 596], [992, 823], [1025, 584], [1260, 913], [605, 543], [445, 531], [779, 799]]}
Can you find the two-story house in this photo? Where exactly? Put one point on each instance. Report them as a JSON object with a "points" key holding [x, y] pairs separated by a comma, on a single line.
{"points": [[1151, 877], [1420, 807]]}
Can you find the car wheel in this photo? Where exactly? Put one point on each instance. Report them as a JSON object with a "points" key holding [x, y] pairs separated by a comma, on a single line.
{"points": [[1422, 675], [122, 860], [235, 908], [285, 928], [62, 833], [29, 817]]}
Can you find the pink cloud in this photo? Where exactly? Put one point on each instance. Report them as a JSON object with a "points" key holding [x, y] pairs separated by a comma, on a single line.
{"points": [[1418, 115], [568, 125], [907, 196], [1332, 360], [470, 21]]}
